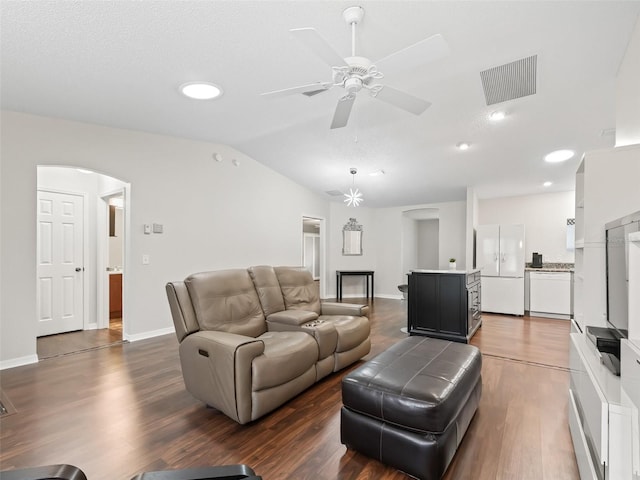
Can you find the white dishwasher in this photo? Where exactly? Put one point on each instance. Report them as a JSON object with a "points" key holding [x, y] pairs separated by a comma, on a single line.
{"points": [[550, 294]]}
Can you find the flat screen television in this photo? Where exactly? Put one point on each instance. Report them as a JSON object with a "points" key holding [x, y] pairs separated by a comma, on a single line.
{"points": [[617, 233]]}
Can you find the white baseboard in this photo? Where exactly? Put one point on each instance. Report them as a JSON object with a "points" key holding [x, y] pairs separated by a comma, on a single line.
{"points": [[377, 295], [392, 297], [18, 362], [150, 334], [556, 316]]}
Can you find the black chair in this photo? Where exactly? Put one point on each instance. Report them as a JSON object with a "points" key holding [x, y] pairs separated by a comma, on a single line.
{"points": [[48, 472], [226, 472], [69, 472]]}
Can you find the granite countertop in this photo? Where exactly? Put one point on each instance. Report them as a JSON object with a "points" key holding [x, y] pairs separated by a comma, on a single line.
{"points": [[550, 267]]}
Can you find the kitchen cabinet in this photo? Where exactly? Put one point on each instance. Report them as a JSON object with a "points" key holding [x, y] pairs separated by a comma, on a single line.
{"points": [[444, 304], [550, 294], [115, 295]]}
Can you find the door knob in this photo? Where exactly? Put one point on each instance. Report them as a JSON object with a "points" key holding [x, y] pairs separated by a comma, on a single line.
{"points": [[78, 269]]}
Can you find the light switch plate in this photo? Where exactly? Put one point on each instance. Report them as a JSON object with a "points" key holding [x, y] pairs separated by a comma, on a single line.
{"points": [[147, 229], [146, 260], [157, 228]]}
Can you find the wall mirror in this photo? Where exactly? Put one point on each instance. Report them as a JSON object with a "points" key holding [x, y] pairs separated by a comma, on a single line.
{"points": [[352, 238]]}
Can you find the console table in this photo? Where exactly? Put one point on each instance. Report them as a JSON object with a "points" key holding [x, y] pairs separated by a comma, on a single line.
{"points": [[368, 274]]}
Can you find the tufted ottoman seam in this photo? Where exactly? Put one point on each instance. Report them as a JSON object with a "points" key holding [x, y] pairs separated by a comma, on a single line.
{"points": [[420, 371]]}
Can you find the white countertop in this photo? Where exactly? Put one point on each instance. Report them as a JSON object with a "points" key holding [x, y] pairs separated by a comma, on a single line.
{"points": [[457, 272], [549, 269]]}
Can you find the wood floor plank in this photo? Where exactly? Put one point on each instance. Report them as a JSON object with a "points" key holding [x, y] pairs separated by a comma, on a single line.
{"points": [[118, 411]]}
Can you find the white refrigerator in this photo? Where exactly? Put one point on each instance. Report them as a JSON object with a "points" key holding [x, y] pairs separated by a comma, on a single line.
{"points": [[500, 258]]}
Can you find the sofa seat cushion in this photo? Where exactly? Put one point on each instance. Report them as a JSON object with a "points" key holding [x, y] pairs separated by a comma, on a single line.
{"points": [[420, 383], [352, 331], [292, 317], [226, 300], [287, 355]]}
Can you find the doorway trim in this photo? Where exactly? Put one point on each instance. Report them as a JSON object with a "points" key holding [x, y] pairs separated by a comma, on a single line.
{"points": [[323, 252], [102, 260]]}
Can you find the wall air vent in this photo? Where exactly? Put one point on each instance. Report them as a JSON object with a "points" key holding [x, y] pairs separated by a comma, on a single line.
{"points": [[509, 81], [334, 193]]}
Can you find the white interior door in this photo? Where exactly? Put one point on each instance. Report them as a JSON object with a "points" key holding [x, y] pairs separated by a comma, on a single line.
{"points": [[60, 253]]}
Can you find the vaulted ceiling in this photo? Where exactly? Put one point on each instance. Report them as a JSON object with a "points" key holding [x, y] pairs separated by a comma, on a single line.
{"points": [[121, 64]]}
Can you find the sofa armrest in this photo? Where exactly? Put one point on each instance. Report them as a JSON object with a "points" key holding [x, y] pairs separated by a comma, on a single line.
{"points": [[292, 317], [216, 367], [337, 308]]}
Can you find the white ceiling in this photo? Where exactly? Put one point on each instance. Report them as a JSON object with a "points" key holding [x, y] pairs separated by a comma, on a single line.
{"points": [[120, 63]]}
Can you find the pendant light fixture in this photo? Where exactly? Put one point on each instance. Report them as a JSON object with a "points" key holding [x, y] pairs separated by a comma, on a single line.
{"points": [[354, 197]]}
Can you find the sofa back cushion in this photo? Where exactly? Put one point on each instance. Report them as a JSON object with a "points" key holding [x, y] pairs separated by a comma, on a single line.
{"points": [[298, 288], [226, 300], [266, 283]]}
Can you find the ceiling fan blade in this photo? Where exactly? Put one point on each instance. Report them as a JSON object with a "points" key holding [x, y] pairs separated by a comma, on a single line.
{"points": [[402, 100], [425, 51], [309, 90], [318, 45], [343, 110]]}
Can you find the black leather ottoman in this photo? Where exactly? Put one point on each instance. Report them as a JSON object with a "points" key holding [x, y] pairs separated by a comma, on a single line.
{"points": [[411, 405]]}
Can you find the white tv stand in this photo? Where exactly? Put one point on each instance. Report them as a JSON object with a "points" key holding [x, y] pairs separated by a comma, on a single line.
{"points": [[599, 422]]}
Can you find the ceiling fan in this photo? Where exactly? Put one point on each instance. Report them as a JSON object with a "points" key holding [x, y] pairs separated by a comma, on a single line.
{"points": [[355, 73]]}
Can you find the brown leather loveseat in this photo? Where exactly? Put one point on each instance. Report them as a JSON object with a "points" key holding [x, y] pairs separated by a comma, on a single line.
{"points": [[251, 339]]}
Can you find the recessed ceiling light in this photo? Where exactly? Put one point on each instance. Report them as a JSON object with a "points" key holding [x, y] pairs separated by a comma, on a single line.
{"points": [[377, 173], [463, 145], [201, 90], [547, 184], [497, 116], [559, 156]]}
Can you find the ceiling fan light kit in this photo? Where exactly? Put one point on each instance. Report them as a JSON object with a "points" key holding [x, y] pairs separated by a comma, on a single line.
{"points": [[356, 73], [354, 197]]}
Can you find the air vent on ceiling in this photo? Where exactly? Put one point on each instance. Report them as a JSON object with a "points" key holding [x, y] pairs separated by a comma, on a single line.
{"points": [[511, 80], [334, 193]]}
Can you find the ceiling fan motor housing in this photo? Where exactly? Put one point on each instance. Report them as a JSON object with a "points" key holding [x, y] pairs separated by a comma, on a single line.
{"points": [[353, 84]]}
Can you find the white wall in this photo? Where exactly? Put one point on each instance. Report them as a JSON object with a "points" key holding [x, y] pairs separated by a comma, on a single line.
{"points": [[394, 232], [116, 254], [428, 243], [351, 286], [627, 94], [473, 207], [409, 249], [215, 215], [545, 221]]}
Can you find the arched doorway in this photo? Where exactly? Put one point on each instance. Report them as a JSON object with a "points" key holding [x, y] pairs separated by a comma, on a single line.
{"points": [[90, 272]]}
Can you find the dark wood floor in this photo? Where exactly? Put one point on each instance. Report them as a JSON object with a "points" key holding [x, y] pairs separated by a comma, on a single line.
{"points": [[74, 342], [118, 411]]}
